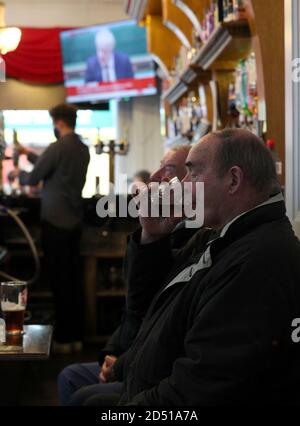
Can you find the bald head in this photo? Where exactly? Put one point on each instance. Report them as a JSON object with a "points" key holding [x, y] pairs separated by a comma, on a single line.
{"points": [[237, 170], [243, 149], [240, 147]]}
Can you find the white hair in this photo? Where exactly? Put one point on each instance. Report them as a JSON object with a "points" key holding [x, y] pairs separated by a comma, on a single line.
{"points": [[105, 38]]}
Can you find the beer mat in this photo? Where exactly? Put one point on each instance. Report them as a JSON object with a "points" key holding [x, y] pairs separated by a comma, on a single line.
{"points": [[10, 348]]}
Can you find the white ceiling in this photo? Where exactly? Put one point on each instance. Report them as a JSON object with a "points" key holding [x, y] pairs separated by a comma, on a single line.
{"points": [[57, 13]]}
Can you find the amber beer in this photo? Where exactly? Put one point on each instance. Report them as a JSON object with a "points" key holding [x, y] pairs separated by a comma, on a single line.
{"points": [[13, 305], [14, 318]]}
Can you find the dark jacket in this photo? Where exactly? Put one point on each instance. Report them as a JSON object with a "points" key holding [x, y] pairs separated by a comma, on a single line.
{"points": [[220, 332], [123, 68], [62, 168], [139, 296]]}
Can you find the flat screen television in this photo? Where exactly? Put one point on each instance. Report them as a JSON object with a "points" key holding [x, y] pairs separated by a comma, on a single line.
{"points": [[107, 62]]}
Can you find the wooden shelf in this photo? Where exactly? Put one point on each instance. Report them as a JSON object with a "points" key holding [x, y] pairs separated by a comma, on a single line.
{"points": [[23, 253], [229, 43], [102, 339], [40, 294], [118, 254], [111, 293], [174, 93], [99, 254]]}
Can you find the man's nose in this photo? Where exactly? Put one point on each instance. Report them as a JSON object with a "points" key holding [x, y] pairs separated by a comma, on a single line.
{"points": [[186, 178]]}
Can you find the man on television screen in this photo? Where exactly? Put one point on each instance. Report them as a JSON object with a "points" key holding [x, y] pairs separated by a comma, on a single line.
{"points": [[108, 65]]}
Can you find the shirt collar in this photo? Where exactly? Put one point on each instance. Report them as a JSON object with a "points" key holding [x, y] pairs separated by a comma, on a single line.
{"points": [[275, 199]]}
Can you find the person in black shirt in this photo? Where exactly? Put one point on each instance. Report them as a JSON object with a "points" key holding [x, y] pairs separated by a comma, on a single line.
{"points": [[62, 168]]}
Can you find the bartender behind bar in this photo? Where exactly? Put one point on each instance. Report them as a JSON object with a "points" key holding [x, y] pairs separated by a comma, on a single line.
{"points": [[62, 168]]}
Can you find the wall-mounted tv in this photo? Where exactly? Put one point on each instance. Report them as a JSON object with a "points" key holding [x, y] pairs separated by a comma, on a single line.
{"points": [[107, 61]]}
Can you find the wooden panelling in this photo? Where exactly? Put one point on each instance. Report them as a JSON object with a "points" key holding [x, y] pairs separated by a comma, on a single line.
{"points": [[198, 7], [223, 78], [266, 20], [153, 7], [172, 14], [161, 41]]}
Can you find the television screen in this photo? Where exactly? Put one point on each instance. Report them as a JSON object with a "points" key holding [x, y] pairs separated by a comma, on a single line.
{"points": [[107, 61]]}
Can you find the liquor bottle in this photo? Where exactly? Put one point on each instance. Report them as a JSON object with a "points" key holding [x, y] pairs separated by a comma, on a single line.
{"points": [[239, 10], [208, 22], [225, 10], [211, 18], [233, 113], [216, 13], [278, 163], [230, 15], [204, 28], [196, 37], [16, 149], [220, 11]]}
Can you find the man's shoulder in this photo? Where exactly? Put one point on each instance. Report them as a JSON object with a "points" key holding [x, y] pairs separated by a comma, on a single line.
{"points": [[70, 139], [92, 60], [121, 57], [54, 146], [269, 243]]}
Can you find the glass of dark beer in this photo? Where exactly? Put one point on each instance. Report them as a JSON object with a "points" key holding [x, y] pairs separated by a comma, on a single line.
{"points": [[13, 298]]}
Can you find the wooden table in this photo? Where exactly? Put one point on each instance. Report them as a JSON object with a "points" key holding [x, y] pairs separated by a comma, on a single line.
{"points": [[34, 346]]}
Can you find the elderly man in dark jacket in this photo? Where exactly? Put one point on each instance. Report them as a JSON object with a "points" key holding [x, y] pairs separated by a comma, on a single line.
{"points": [[77, 382], [218, 331]]}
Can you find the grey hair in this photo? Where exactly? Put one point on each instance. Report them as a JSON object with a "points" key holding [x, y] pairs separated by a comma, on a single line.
{"points": [[184, 148], [240, 147], [105, 37]]}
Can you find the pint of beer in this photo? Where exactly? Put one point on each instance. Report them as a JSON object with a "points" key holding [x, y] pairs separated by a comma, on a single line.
{"points": [[13, 305]]}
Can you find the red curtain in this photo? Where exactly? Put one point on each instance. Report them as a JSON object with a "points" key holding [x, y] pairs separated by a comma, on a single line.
{"points": [[38, 57]]}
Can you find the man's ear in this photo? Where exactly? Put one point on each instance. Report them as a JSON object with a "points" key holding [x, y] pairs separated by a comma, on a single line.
{"points": [[236, 178], [59, 123]]}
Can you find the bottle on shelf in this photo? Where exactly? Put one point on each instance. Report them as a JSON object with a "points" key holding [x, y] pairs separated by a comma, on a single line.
{"points": [[239, 10], [202, 107], [278, 163], [16, 151], [225, 10], [196, 40], [216, 13], [219, 12], [113, 277], [211, 18], [246, 95], [205, 25], [233, 113], [230, 13]]}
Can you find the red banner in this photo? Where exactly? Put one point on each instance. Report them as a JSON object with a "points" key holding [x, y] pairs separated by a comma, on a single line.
{"points": [[139, 84], [38, 57]]}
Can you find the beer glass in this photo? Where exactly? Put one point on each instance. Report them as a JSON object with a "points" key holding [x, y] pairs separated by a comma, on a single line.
{"points": [[13, 298]]}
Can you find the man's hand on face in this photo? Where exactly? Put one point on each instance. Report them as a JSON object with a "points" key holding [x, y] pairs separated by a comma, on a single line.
{"points": [[107, 374], [155, 228]]}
